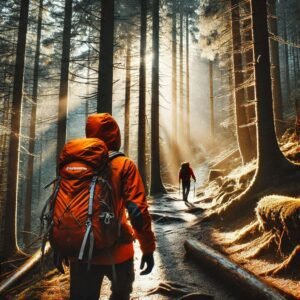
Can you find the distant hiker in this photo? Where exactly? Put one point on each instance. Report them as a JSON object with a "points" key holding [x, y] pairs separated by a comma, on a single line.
{"points": [[87, 213], [185, 174]]}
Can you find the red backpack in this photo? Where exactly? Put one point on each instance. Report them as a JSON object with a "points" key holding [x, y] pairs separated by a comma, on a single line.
{"points": [[82, 219]]}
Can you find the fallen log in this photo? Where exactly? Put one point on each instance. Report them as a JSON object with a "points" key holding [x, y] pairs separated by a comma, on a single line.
{"points": [[246, 283], [23, 269]]}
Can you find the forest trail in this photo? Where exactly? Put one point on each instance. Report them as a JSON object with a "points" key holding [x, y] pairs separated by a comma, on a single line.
{"points": [[171, 223]]}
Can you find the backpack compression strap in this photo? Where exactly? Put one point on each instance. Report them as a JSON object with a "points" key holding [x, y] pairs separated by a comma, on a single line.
{"points": [[89, 231], [114, 154]]}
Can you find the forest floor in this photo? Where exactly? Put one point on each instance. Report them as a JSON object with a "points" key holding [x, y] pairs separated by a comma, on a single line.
{"points": [[174, 276]]}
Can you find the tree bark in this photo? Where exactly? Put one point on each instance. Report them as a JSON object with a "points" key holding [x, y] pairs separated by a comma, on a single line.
{"points": [[105, 79], [211, 97], [276, 83], [127, 95], [174, 73], [286, 53], [243, 135], [3, 166], [250, 108], [156, 182], [64, 78], [29, 175], [187, 80], [270, 158], [142, 95], [88, 78], [10, 228], [181, 108]]}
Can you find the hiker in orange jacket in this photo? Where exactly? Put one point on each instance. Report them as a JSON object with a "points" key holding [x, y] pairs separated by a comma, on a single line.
{"points": [[185, 174], [128, 190]]}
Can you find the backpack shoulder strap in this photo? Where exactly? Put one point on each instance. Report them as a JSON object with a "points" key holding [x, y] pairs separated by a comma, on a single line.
{"points": [[114, 154]]}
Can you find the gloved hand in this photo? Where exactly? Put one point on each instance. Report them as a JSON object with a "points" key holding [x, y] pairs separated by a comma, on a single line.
{"points": [[149, 261], [59, 261]]}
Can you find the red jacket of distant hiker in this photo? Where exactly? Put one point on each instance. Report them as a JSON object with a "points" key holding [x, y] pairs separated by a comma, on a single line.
{"points": [[186, 172], [128, 190]]}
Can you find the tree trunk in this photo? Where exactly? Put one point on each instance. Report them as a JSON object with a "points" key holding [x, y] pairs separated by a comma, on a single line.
{"points": [[174, 73], [88, 77], [211, 97], [270, 158], [64, 78], [29, 175], [10, 228], [250, 108], [142, 95], [127, 95], [156, 182], [181, 108], [276, 83], [187, 81], [3, 166], [105, 79], [286, 53], [243, 135], [294, 65]]}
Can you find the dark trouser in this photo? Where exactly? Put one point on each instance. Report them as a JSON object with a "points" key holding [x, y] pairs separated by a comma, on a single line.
{"points": [[86, 285], [185, 189]]}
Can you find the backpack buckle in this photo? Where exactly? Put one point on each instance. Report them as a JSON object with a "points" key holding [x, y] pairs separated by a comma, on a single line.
{"points": [[107, 217]]}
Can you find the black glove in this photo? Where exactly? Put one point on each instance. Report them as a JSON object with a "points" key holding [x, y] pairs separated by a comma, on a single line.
{"points": [[149, 260], [60, 261]]}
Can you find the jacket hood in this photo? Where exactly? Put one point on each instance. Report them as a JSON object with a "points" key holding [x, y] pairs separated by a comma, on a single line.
{"points": [[103, 126]]}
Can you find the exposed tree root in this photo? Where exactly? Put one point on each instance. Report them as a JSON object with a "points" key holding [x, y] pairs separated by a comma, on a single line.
{"points": [[289, 265], [162, 218], [170, 288], [176, 289], [196, 296], [224, 197], [264, 247], [246, 232], [258, 242], [284, 183]]}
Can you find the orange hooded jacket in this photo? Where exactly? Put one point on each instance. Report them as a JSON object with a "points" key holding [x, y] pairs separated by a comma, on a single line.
{"points": [[128, 190]]}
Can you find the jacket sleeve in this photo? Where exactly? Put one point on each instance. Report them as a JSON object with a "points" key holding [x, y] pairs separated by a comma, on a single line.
{"points": [[192, 173], [137, 207]]}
